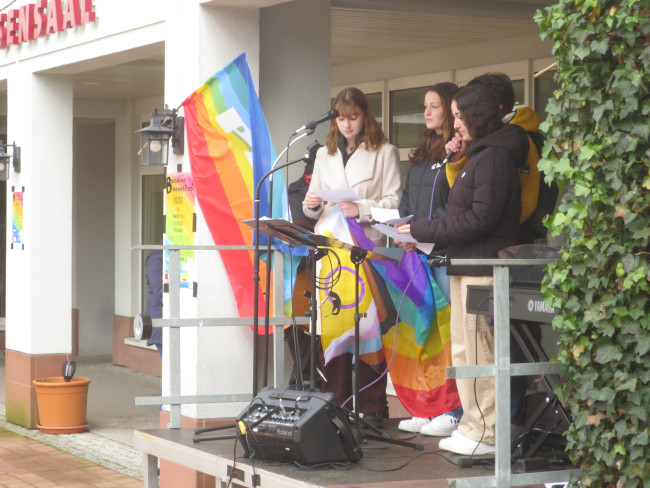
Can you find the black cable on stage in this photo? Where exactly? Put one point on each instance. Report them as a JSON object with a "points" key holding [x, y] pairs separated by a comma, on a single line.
{"points": [[397, 468]]}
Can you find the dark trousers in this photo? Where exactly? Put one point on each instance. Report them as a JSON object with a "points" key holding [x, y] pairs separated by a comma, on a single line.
{"points": [[300, 348], [339, 381]]}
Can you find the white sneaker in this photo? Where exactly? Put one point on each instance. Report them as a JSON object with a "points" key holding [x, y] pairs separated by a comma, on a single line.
{"points": [[441, 426], [460, 444], [413, 424]]}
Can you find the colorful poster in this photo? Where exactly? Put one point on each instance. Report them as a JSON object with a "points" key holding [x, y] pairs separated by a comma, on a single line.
{"points": [[17, 218], [180, 224]]}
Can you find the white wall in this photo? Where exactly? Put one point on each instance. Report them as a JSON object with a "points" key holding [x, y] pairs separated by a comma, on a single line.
{"points": [[39, 282], [295, 72]]}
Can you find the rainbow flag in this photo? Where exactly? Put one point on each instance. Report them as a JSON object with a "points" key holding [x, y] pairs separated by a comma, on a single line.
{"points": [[230, 149], [417, 347]]}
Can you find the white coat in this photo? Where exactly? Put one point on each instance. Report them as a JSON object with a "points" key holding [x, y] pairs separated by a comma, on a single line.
{"points": [[375, 176]]}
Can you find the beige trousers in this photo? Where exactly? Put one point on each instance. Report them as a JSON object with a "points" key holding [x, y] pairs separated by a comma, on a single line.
{"points": [[472, 342]]}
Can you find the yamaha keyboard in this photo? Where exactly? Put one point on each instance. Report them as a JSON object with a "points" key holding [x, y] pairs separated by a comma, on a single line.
{"points": [[526, 303]]}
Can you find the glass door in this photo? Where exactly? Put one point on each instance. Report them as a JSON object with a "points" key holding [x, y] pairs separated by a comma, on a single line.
{"points": [[153, 221]]}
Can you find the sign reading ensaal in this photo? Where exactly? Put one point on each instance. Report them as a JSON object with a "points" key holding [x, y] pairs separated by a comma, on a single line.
{"points": [[41, 18]]}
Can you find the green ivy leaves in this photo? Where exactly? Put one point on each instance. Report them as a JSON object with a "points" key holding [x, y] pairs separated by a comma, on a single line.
{"points": [[598, 151]]}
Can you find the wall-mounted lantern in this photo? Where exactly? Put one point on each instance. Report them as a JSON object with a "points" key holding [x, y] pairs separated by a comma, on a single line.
{"points": [[163, 127], [5, 157]]}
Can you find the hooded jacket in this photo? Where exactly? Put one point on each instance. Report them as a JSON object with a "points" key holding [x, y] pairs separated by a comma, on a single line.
{"points": [[484, 203], [529, 175]]}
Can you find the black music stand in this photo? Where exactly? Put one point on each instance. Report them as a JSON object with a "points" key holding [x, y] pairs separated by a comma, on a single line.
{"points": [[295, 235]]}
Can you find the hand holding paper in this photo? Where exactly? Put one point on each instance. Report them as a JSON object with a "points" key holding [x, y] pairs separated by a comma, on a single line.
{"points": [[403, 234], [425, 247]]}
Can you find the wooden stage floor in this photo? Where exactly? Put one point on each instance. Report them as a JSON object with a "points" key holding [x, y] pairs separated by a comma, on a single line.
{"points": [[383, 464]]}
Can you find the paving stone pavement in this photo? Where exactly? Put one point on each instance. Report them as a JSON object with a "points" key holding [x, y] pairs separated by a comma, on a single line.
{"points": [[102, 457], [26, 462], [86, 445]]}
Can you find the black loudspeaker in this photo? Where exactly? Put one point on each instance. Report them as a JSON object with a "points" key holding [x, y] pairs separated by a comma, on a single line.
{"points": [[297, 426]]}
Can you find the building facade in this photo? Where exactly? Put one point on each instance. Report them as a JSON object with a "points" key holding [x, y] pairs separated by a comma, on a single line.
{"points": [[79, 77]]}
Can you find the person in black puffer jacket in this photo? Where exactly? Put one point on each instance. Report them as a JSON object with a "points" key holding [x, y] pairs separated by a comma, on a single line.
{"points": [[482, 218]]}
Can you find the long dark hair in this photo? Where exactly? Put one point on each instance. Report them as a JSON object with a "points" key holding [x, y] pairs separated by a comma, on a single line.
{"points": [[346, 102], [480, 110], [433, 145]]}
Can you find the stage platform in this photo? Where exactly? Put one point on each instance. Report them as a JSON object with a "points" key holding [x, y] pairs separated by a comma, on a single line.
{"points": [[383, 465]]}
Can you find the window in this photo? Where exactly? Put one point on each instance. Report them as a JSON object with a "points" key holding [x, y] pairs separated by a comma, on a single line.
{"points": [[544, 87], [407, 120], [519, 87], [374, 99]]}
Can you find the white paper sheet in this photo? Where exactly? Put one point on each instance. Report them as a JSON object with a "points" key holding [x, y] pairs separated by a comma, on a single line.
{"points": [[388, 216], [338, 195]]}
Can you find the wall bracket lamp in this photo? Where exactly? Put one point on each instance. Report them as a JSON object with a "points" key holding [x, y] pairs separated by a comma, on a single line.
{"points": [[5, 157], [155, 138]]}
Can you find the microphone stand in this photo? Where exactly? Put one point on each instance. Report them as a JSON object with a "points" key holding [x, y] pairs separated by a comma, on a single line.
{"points": [[256, 264], [265, 372]]}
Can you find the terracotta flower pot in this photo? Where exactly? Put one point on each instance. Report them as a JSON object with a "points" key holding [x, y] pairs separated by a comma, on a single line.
{"points": [[62, 404]]}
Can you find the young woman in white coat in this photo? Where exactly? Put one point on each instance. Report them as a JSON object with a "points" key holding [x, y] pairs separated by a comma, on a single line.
{"points": [[358, 156]]}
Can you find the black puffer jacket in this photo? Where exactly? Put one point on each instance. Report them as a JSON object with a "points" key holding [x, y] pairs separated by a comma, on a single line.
{"points": [[416, 198], [418, 194], [484, 203]]}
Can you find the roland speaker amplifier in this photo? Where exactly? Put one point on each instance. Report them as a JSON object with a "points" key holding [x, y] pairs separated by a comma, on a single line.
{"points": [[297, 426]]}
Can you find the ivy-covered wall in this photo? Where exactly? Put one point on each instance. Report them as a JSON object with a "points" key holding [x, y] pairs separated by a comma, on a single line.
{"points": [[599, 151]]}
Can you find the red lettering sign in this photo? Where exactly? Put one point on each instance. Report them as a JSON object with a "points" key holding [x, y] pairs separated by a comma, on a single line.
{"points": [[12, 27], [87, 12], [3, 31], [72, 15], [34, 20], [40, 19], [54, 17], [26, 23]]}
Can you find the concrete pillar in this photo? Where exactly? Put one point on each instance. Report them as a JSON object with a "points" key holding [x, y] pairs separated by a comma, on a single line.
{"points": [[295, 71], [218, 35], [39, 278]]}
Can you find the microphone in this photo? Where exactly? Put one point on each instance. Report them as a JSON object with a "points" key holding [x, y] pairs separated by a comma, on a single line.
{"points": [[444, 161], [448, 157], [310, 126]]}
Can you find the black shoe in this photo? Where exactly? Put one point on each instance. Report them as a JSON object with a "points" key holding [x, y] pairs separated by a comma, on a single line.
{"points": [[373, 419]]}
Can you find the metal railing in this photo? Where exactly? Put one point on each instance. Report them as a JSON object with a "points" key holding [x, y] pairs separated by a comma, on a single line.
{"points": [[174, 322], [502, 370]]}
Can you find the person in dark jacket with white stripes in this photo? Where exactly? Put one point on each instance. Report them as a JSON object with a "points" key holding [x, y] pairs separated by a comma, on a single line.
{"points": [[482, 218]]}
